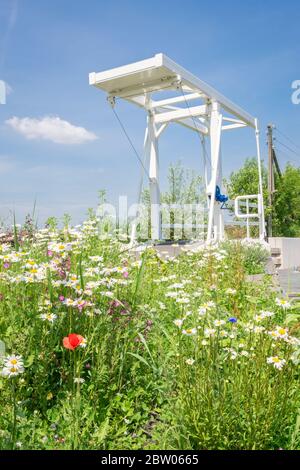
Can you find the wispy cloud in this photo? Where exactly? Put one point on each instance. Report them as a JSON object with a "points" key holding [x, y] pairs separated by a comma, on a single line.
{"points": [[51, 128], [11, 21]]}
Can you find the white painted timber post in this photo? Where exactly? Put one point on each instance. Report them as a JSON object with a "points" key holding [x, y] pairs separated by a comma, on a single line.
{"points": [[204, 155], [215, 228], [154, 179], [133, 228]]}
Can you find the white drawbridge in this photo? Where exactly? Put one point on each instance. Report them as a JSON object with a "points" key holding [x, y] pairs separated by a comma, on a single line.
{"points": [[210, 116]]}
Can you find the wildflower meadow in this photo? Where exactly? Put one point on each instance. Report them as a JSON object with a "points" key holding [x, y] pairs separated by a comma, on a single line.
{"points": [[104, 348]]}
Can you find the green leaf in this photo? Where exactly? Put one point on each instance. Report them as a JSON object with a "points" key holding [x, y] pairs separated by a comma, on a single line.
{"points": [[140, 358], [30, 360], [101, 432]]}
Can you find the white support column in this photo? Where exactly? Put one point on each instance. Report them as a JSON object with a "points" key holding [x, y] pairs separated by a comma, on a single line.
{"points": [[140, 189], [204, 155], [154, 179], [215, 228], [220, 229]]}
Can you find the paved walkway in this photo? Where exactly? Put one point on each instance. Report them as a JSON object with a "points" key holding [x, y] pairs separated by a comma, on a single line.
{"points": [[289, 281]]}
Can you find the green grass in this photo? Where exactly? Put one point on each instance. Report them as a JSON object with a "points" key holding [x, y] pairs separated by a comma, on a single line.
{"points": [[141, 381]]}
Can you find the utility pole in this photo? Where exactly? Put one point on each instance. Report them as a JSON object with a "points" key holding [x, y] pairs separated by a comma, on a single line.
{"points": [[272, 161]]}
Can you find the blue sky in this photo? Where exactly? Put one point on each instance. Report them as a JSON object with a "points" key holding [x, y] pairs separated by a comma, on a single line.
{"points": [[248, 50]]}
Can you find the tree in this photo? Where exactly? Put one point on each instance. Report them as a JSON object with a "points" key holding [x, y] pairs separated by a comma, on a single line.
{"points": [[286, 213], [286, 205], [245, 180], [185, 186]]}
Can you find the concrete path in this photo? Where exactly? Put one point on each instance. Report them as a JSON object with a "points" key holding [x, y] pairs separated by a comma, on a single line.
{"points": [[289, 281]]}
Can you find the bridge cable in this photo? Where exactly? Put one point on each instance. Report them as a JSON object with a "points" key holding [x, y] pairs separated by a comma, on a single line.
{"points": [[199, 133], [130, 142]]}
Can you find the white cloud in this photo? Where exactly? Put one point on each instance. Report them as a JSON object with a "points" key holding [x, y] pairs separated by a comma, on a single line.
{"points": [[51, 128]]}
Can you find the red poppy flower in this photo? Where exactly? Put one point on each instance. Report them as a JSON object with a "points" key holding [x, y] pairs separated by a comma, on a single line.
{"points": [[72, 341]]}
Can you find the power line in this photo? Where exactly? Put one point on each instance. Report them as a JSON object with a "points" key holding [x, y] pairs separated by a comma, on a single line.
{"points": [[288, 148], [287, 157], [287, 138]]}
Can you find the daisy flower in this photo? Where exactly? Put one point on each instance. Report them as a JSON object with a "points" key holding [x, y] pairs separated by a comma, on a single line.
{"points": [[189, 331], [13, 366], [83, 343], [171, 294], [258, 329], [219, 322], [209, 332], [233, 354], [223, 334], [50, 317], [190, 362], [162, 306], [202, 311], [279, 333], [283, 303], [276, 361], [266, 313], [282, 332], [244, 353], [176, 286], [178, 322], [230, 291], [183, 300], [69, 302], [78, 380], [274, 334], [259, 318]]}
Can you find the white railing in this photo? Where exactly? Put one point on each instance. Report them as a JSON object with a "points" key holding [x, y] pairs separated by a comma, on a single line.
{"points": [[244, 201]]}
